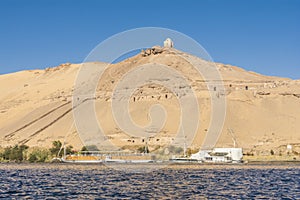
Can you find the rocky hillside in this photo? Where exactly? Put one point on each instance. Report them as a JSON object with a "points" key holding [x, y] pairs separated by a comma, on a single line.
{"points": [[262, 112]]}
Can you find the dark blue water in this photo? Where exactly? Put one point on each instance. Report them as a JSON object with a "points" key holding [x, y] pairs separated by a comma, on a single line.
{"points": [[59, 181]]}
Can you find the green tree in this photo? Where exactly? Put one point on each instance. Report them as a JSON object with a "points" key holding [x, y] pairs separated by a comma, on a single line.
{"points": [[15, 153], [38, 155], [6, 153], [69, 150], [56, 146], [84, 148], [33, 158]]}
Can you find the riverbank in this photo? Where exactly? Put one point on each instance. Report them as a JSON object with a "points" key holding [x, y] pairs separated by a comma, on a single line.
{"points": [[271, 158], [247, 161]]}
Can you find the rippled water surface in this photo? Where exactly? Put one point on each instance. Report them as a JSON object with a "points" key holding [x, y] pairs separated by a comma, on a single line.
{"points": [[60, 181]]}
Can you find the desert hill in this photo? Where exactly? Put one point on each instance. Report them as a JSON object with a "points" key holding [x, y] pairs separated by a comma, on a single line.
{"points": [[263, 112]]}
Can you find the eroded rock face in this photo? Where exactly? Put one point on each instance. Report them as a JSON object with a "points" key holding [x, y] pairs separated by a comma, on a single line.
{"points": [[152, 51]]}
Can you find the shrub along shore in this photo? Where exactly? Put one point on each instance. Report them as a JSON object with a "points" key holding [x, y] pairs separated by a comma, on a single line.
{"points": [[23, 153]]}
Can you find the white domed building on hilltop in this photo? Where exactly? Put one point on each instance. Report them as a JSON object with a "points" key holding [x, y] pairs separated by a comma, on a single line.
{"points": [[168, 43]]}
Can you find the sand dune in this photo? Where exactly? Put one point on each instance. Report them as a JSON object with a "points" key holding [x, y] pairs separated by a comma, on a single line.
{"points": [[263, 112]]}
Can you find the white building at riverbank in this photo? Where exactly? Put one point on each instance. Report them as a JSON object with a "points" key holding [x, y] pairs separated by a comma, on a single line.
{"points": [[219, 155]]}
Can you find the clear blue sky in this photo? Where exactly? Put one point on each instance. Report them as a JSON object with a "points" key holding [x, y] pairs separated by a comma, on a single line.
{"points": [[261, 36]]}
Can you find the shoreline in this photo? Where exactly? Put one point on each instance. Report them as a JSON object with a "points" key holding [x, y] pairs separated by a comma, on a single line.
{"points": [[251, 162]]}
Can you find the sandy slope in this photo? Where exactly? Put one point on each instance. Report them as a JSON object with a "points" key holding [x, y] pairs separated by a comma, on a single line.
{"points": [[36, 106]]}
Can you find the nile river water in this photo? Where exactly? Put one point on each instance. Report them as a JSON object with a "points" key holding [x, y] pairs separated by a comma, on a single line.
{"points": [[62, 181]]}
